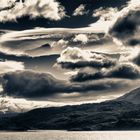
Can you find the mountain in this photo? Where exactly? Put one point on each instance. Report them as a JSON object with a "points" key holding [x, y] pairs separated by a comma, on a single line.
{"points": [[110, 115], [133, 96], [119, 114], [105, 116]]}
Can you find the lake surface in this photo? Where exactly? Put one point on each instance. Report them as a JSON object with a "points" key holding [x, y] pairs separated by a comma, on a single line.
{"points": [[64, 135]]}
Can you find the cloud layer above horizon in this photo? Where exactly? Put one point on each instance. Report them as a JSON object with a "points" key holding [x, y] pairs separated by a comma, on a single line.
{"points": [[101, 58]]}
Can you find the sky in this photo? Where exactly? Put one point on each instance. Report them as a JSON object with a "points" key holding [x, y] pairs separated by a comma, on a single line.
{"points": [[62, 52]]}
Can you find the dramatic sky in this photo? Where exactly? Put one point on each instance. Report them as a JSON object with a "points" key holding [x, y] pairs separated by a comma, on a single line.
{"points": [[59, 52]]}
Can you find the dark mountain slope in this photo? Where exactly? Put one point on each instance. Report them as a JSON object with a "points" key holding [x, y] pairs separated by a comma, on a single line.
{"points": [[133, 96], [119, 114], [104, 116]]}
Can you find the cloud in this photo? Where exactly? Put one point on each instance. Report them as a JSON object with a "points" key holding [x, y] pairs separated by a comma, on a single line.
{"points": [[10, 66], [123, 70], [72, 58], [106, 16], [133, 42], [22, 42], [9, 104], [105, 13], [110, 16], [60, 44], [80, 10], [81, 38], [29, 84], [136, 58], [126, 27], [6, 4], [130, 54], [69, 21], [48, 9]]}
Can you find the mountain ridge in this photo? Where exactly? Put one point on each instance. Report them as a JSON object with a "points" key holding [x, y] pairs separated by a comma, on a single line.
{"points": [[119, 114]]}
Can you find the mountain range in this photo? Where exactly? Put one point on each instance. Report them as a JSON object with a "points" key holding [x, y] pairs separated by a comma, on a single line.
{"points": [[120, 114]]}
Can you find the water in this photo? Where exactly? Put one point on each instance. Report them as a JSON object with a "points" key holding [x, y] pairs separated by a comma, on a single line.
{"points": [[64, 135]]}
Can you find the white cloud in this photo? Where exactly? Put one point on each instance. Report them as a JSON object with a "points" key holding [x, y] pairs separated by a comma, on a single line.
{"points": [[49, 9], [60, 44], [79, 11], [77, 58], [81, 38], [38, 33], [109, 16], [106, 16], [6, 3], [75, 55], [10, 66], [133, 3], [19, 42], [129, 54]]}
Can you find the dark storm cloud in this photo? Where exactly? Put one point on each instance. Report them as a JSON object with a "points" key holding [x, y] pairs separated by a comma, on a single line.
{"points": [[32, 85], [126, 28], [136, 59], [127, 71], [82, 64], [134, 42]]}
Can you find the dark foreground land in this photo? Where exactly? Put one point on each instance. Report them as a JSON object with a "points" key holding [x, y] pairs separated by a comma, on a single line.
{"points": [[120, 114]]}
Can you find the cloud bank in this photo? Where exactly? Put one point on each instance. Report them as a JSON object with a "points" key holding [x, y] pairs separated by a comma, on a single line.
{"points": [[49, 9], [72, 58], [29, 84], [123, 71], [126, 27]]}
